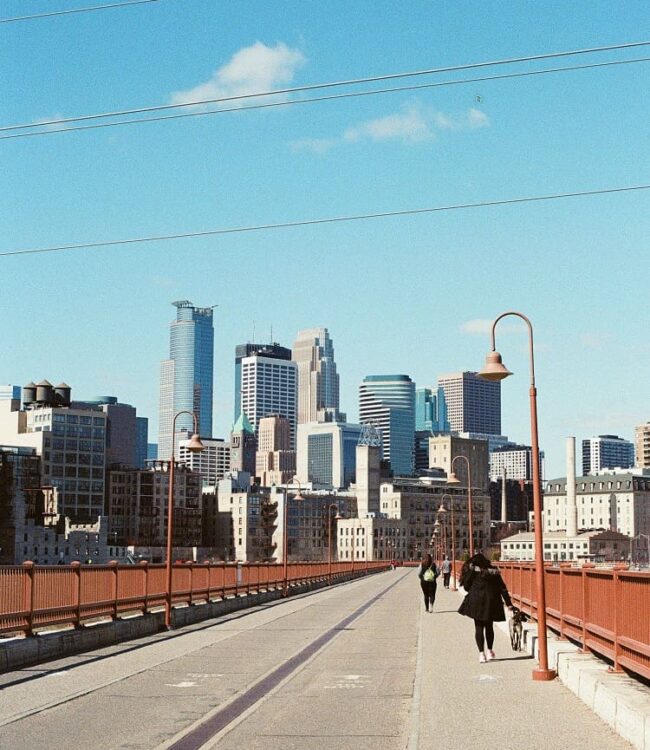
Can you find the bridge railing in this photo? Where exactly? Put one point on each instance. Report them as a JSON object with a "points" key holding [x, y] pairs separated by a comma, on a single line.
{"points": [[36, 597], [605, 610]]}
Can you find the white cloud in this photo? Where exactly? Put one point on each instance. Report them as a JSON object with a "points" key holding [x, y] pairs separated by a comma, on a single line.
{"points": [[476, 326], [315, 145], [483, 326], [409, 126], [412, 124], [251, 70], [477, 119], [594, 340]]}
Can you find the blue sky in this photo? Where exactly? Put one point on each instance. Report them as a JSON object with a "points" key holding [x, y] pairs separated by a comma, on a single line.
{"points": [[398, 295]]}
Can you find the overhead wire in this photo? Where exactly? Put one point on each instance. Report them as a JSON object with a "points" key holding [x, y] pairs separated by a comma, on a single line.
{"points": [[75, 10], [329, 97], [327, 220], [314, 86]]}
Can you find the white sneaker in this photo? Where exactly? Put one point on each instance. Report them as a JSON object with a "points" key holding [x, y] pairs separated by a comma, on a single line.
{"points": [[491, 655], [481, 658]]}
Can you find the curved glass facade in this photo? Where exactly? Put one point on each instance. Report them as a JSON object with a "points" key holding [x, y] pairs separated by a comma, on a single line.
{"points": [[186, 377], [388, 401]]}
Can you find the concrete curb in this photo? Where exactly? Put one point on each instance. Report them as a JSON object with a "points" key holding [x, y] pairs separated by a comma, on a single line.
{"points": [[619, 700], [25, 652]]}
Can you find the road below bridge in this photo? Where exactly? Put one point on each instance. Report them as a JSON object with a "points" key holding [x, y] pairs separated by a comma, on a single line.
{"points": [[359, 665]]}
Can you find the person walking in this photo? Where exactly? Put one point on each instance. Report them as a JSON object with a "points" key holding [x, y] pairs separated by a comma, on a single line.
{"points": [[445, 569], [486, 594], [428, 573]]}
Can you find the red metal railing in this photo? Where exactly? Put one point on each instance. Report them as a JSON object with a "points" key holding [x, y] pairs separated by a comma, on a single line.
{"points": [[34, 597], [605, 610]]}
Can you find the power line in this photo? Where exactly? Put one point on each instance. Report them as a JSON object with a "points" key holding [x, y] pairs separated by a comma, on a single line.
{"points": [[313, 222], [331, 97], [313, 86], [75, 10]]}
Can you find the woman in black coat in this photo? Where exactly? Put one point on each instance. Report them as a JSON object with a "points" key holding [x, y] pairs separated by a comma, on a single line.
{"points": [[483, 603], [427, 573]]}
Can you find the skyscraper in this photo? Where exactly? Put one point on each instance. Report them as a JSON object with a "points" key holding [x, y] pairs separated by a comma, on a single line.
{"points": [[431, 410], [473, 404], [186, 377], [270, 351], [266, 384], [388, 401], [318, 381], [606, 452], [642, 445]]}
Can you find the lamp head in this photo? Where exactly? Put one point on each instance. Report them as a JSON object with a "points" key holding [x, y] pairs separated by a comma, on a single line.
{"points": [[442, 508], [452, 478], [494, 369], [195, 445]]}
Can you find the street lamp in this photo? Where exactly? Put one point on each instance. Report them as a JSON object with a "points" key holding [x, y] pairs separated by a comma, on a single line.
{"points": [[632, 556], [435, 546], [495, 370], [337, 517], [440, 516], [453, 479], [195, 446], [453, 536]]}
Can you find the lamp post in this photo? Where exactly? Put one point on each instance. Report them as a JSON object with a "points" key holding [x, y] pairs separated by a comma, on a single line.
{"points": [[195, 446], [632, 556], [337, 517], [495, 370], [453, 537], [285, 536], [453, 479], [435, 544]]}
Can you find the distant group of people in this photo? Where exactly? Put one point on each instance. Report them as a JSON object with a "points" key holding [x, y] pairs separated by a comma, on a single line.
{"points": [[486, 593]]}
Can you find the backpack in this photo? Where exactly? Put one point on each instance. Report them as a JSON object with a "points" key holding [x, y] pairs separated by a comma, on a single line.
{"points": [[429, 575]]}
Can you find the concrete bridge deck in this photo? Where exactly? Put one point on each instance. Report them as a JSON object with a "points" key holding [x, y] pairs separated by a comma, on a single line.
{"points": [[359, 665]]}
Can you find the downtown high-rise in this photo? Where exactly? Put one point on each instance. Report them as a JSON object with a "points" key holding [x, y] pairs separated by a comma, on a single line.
{"points": [[186, 377], [265, 384], [388, 402], [318, 380], [606, 452], [473, 403]]}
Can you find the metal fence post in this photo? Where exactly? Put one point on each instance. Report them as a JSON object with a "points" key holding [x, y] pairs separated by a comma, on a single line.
{"points": [[616, 582], [145, 564], [76, 567], [585, 603], [113, 565], [28, 600]]}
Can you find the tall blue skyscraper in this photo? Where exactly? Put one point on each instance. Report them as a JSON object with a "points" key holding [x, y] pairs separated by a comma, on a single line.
{"points": [[388, 401], [431, 410], [186, 377]]}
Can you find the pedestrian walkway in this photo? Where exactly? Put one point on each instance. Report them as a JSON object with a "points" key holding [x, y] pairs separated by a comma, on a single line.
{"points": [[360, 665]]}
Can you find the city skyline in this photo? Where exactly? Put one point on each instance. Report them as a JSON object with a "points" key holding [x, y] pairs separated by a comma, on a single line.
{"points": [[411, 294]]}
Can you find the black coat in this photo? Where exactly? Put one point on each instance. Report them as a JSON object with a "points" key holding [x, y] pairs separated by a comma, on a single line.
{"points": [[485, 592]]}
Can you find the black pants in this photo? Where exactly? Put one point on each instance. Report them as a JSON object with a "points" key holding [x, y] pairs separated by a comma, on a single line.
{"points": [[445, 579], [484, 631], [429, 591]]}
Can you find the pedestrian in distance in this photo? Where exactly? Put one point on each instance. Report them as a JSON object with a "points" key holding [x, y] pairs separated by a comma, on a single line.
{"points": [[483, 602], [428, 573], [445, 569]]}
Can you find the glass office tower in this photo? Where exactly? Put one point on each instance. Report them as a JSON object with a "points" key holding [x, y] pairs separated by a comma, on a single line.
{"points": [[388, 401], [186, 377], [431, 410]]}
